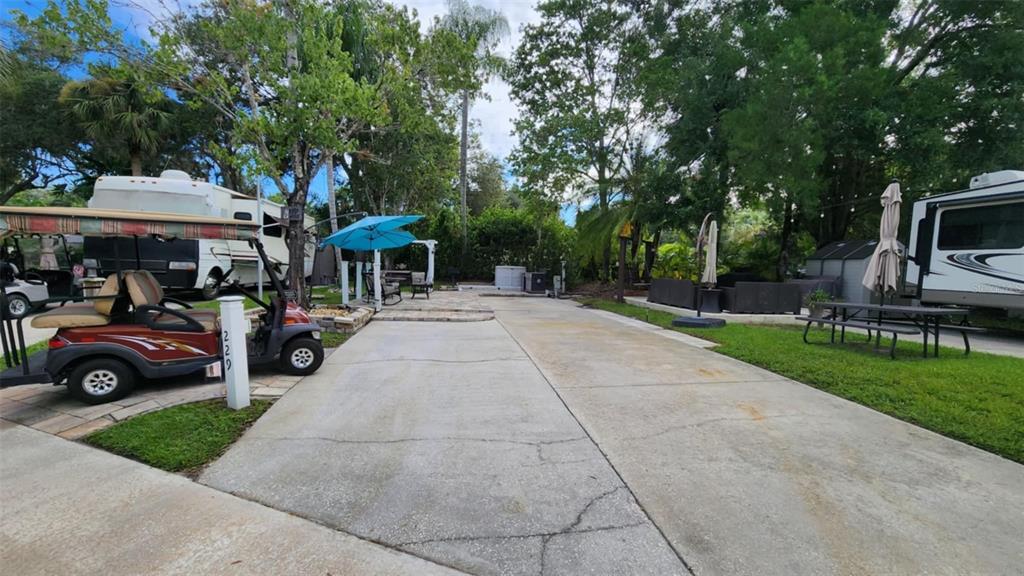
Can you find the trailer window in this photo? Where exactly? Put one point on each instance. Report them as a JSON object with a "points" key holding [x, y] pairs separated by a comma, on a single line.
{"points": [[243, 216], [271, 227], [992, 227]]}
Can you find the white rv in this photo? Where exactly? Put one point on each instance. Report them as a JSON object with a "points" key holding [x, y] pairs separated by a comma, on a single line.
{"points": [[187, 264], [968, 246]]}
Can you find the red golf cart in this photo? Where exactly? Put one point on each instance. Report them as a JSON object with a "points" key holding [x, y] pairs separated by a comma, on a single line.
{"points": [[130, 329]]}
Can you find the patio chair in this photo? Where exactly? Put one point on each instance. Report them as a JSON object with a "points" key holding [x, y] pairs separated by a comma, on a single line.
{"points": [[420, 284], [387, 289]]}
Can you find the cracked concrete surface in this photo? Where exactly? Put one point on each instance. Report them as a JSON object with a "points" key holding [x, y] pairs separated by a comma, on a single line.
{"points": [[444, 441], [71, 509], [746, 472], [557, 440]]}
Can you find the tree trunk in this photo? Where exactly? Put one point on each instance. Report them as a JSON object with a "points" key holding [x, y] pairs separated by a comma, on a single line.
{"points": [[297, 242], [636, 239], [297, 199], [782, 263], [332, 208], [463, 151], [602, 197], [651, 254], [620, 294], [136, 164]]}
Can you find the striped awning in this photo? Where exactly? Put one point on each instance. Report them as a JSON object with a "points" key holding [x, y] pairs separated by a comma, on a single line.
{"points": [[95, 222]]}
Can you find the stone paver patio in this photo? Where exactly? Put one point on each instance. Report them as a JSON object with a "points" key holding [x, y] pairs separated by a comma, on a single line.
{"points": [[51, 409]]}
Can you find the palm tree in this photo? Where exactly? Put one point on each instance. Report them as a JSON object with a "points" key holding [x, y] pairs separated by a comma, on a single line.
{"points": [[117, 107], [481, 28]]}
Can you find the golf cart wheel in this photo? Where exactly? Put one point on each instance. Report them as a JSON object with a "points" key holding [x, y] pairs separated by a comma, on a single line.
{"points": [[301, 356], [211, 286], [18, 306], [101, 380]]}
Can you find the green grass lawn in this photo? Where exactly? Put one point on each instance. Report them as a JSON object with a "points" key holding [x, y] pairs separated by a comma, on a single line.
{"points": [[333, 339], [29, 351], [181, 437], [247, 303], [978, 399]]}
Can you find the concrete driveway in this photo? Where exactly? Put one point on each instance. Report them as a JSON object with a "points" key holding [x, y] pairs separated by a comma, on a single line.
{"points": [[558, 440], [69, 509]]}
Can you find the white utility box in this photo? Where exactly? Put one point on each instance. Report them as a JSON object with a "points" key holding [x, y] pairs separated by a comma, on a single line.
{"points": [[509, 277]]}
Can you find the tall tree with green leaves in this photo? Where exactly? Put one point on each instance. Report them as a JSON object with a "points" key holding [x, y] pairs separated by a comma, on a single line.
{"points": [[573, 80], [37, 143], [807, 109], [486, 176], [482, 29], [118, 107], [282, 77]]}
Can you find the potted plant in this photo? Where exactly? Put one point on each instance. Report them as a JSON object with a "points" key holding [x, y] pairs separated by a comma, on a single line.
{"points": [[814, 303]]}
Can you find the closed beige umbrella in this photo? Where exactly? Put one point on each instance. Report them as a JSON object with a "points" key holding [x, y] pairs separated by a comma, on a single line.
{"points": [[710, 275], [883, 269]]}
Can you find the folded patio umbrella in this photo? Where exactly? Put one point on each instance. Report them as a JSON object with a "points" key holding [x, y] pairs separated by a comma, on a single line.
{"points": [[883, 269], [710, 276]]}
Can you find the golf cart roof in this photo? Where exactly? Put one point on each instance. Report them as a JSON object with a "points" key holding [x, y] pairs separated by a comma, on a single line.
{"points": [[96, 222]]}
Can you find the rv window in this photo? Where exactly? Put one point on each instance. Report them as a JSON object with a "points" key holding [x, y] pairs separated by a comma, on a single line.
{"points": [[271, 227], [993, 227], [243, 216]]}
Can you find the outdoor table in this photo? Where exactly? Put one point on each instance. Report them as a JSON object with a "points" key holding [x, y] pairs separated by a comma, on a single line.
{"points": [[400, 276], [925, 318]]}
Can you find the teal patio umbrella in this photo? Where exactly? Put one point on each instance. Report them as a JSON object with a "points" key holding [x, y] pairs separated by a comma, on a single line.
{"points": [[374, 233]]}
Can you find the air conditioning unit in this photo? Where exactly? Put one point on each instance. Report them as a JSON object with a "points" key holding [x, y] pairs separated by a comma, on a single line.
{"points": [[535, 282]]}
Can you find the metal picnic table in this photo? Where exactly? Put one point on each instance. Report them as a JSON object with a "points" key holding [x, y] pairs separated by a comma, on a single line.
{"points": [[924, 318]]}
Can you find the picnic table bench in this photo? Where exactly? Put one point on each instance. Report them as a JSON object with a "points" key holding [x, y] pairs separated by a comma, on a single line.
{"points": [[894, 319], [894, 329]]}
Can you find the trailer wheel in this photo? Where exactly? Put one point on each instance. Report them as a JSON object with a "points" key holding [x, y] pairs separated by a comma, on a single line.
{"points": [[301, 356], [101, 380], [211, 286], [18, 306]]}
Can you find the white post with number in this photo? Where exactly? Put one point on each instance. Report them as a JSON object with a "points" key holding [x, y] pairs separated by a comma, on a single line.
{"points": [[235, 354]]}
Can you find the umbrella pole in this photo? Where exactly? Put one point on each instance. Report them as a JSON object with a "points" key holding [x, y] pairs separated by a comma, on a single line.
{"points": [[699, 321], [700, 271], [344, 278], [376, 281]]}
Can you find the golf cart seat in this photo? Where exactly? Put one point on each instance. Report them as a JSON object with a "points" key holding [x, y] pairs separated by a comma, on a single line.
{"points": [[82, 314], [146, 291]]}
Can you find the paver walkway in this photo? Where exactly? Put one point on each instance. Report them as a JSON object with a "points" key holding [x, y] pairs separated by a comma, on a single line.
{"points": [[501, 447], [53, 410], [69, 509]]}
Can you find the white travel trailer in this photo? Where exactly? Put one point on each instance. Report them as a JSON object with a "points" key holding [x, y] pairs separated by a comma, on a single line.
{"points": [[187, 264], [968, 246]]}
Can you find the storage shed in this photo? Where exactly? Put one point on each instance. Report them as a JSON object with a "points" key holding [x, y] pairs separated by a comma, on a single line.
{"points": [[846, 260]]}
